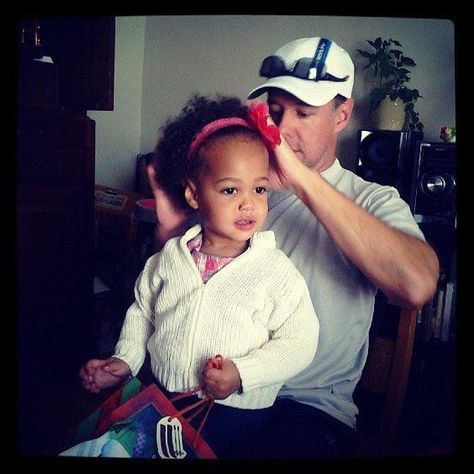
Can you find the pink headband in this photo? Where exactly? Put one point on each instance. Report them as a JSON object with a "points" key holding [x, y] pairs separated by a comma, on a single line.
{"points": [[212, 127], [257, 119]]}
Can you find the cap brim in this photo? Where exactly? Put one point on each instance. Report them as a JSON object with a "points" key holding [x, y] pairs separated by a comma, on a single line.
{"points": [[310, 92]]}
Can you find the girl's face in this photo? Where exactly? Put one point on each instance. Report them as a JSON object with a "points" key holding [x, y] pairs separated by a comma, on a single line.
{"points": [[231, 193]]}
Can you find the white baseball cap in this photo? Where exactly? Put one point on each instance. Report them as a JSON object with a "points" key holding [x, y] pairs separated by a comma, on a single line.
{"points": [[314, 70]]}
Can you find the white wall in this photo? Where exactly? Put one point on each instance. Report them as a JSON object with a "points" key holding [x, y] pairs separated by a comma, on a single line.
{"points": [[118, 132], [222, 53]]}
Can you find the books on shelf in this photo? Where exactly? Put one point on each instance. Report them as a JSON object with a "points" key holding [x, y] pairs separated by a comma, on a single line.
{"points": [[437, 318], [447, 328]]}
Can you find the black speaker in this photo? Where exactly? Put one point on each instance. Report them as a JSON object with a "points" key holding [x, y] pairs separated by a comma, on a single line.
{"points": [[435, 193], [388, 157], [435, 198]]}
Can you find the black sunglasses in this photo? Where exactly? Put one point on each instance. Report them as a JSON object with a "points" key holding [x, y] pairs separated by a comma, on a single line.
{"points": [[312, 69]]}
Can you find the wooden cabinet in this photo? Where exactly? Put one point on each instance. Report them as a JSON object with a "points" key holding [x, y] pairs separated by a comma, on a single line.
{"points": [[55, 170], [82, 51], [55, 162]]}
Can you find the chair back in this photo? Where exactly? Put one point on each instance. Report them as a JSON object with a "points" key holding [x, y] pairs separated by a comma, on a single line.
{"points": [[380, 394]]}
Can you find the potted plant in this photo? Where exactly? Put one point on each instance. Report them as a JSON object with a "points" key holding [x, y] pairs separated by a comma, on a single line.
{"points": [[390, 69]]}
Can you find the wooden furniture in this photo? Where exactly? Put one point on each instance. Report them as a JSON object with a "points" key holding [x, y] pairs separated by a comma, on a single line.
{"points": [[55, 211], [381, 391], [55, 185]]}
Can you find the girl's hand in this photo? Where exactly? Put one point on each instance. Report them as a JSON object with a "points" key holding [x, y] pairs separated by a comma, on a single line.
{"points": [[99, 374], [220, 381], [87, 371]]}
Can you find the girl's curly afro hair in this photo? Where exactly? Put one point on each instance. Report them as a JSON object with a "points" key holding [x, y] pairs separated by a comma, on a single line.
{"points": [[171, 153]]}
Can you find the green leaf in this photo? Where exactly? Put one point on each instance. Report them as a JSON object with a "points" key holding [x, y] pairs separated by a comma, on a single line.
{"points": [[365, 54], [406, 61], [393, 95], [403, 71], [397, 53]]}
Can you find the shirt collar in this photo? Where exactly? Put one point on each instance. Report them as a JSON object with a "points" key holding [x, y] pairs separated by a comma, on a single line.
{"points": [[332, 173]]}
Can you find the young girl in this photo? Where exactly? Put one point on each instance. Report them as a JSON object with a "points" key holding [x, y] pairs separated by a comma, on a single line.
{"points": [[221, 288]]}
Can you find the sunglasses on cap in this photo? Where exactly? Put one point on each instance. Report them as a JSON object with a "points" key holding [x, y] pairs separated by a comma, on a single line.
{"points": [[312, 69]]}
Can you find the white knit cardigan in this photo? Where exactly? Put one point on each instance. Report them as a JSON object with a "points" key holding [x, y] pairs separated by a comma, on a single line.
{"points": [[255, 311]]}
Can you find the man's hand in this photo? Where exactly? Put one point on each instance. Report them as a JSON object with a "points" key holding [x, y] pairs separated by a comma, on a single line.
{"points": [[286, 169], [171, 221]]}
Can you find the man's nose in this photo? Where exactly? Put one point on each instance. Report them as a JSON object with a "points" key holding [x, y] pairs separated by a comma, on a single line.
{"points": [[286, 126]]}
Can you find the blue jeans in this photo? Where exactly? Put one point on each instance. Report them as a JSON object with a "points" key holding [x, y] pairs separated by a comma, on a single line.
{"points": [[293, 430], [226, 428]]}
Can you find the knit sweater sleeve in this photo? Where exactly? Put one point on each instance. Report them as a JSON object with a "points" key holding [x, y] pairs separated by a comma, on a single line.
{"points": [[294, 331], [138, 325]]}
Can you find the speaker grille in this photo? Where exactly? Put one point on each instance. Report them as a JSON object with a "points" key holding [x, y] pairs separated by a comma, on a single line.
{"points": [[435, 196], [388, 157]]}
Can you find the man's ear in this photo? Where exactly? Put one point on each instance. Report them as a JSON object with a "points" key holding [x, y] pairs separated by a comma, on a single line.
{"points": [[191, 194], [344, 112]]}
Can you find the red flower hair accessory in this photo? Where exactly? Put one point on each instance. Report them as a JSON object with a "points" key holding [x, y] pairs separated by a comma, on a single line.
{"points": [[258, 117]]}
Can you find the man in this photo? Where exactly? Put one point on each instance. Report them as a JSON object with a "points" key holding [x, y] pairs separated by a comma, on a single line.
{"points": [[348, 237]]}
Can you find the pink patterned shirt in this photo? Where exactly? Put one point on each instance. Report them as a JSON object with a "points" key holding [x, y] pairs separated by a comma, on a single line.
{"points": [[206, 264]]}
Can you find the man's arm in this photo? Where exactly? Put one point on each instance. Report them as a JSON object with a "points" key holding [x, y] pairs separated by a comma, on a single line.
{"points": [[403, 267]]}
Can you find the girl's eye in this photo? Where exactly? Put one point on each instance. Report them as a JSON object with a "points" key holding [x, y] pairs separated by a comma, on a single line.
{"points": [[302, 114], [229, 191], [261, 190]]}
